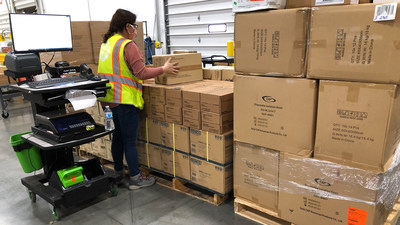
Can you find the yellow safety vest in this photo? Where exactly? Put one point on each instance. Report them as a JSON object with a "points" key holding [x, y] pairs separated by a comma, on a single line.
{"points": [[125, 87]]}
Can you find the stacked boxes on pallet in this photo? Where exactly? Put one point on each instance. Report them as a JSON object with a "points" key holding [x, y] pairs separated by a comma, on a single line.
{"points": [[320, 148]]}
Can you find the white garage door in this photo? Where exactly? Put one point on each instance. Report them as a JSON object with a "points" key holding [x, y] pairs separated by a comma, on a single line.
{"points": [[202, 25]]}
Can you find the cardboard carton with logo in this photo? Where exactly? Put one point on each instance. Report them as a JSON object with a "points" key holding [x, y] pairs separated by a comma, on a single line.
{"points": [[312, 3], [357, 123], [181, 160], [175, 136], [255, 175], [247, 6], [276, 113], [211, 176], [328, 193], [190, 68], [355, 50], [217, 148], [272, 42]]}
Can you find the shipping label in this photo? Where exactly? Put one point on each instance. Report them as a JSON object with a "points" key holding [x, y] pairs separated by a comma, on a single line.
{"points": [[385, 12], [349, 133], [328, 2]]}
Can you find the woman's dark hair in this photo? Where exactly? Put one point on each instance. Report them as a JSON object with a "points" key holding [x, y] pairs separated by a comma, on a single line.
{"points": [[118, 22]]}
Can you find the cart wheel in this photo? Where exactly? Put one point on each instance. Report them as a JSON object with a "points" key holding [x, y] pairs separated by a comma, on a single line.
{"points": [[56, 213], [4, 114], [113, 190], [32, 196]]}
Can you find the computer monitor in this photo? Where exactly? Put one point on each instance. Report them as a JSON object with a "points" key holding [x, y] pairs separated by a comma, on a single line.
{"points": [[40, 32]]}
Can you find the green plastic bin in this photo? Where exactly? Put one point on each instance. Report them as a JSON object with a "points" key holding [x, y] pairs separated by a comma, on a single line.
{"points": [[71, 176], [28, 155]]}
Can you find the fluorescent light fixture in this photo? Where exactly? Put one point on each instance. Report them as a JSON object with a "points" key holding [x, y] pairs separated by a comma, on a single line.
{"points": [[217, 28]]}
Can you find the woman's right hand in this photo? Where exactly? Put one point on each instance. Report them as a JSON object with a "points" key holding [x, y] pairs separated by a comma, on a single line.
{"points": [[171, 67]]}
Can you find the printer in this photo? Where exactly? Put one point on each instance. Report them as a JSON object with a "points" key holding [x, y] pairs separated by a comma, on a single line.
{"points": [[22, 63], [62, 127]]}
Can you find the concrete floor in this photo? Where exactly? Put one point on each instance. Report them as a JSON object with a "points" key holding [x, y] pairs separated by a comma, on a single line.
{"points": [[154, 205]]}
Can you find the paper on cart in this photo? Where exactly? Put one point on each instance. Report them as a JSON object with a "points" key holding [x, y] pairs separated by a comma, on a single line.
{"points": [[81, 99]]}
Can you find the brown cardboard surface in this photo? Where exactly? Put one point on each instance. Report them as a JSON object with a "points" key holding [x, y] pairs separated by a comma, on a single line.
{"points": [[353, 50], [175, 136], [155, 157], [174, 102], [99, 148], [214, 118], [217, 128], [81, 43], [173, 110], [357, 123], [190, 68], [196, 124], [195, 105], [271, 42], [212, 176], [142, 153], [182, 163], [212, 73], [227, 73], [210, 146], [327, 193], [173, 118], [276, 113], [192, 114], [310, 3], [219, 100], [255, 175], [160, 116], [154, 131]]}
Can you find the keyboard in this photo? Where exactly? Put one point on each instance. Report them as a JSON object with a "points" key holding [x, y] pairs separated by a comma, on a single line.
{"points": [[53, 82]]}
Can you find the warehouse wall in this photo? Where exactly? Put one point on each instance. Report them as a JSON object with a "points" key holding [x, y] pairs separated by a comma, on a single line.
{"points": [[102, 10]]}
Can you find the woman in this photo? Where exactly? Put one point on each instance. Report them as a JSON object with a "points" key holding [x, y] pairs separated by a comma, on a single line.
{"points": [[121, 63]]}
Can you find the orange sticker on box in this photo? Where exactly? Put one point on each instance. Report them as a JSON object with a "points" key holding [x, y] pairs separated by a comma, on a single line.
{"points": [[73, 179], [356, 216]]}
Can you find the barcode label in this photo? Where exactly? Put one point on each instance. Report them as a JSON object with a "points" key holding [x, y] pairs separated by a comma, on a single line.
{"points": [[328, 2], [385, 12]]}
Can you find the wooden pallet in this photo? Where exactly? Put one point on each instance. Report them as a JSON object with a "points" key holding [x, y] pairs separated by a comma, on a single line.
{"points": [[185, 187], [264, 216], [257, 213]]}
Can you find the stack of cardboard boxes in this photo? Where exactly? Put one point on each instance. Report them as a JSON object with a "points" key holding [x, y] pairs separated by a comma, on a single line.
{"points": [[316, 134], [224, 73], [196, 133]]}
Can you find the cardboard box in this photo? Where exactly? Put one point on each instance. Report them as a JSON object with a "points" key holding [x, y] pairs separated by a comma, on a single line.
{"points": [[276, 113], [155, 157], [175, 136], [99, 148], [214, 177], [217, 128], [214, 118], [311, 3], [246, 6], [81, 43], [227, 73], [173, 110], [212, 73], [192, 114], [327, 193], [357, 123], [154, 131], [109, 156], [219, 149], [196, 124], [174, 118], [353, 50], [271, 42], [190, 68], [219, 100], [142, 152], [255, 175], [160, 116], [182, 163], [86, 147]]}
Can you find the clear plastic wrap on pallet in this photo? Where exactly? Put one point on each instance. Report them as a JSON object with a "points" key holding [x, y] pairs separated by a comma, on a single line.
{"points": [[331, 193]]}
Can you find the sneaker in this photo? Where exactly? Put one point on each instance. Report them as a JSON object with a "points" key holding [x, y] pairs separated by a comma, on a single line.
{"points": [[140, 180]]}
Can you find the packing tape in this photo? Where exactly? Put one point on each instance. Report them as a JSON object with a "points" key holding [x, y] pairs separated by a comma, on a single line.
{"points": [[347, 156], [173, 144], [353, 93], [147, 143], [318, 43], [207, 144]]}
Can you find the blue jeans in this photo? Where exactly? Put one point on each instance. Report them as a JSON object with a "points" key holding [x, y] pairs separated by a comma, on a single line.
{"points": [[126, 120]]}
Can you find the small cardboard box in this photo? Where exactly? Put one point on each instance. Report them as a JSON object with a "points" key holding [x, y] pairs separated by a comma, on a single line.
{"points": [[154, 131], [190, 68], [217, 128], [327, 193], [173, 110], [182, 163], [217, 148], [246, 6], [214, 118], [354, 49], [357, 123], [108, 150], [99, 148], [175, 136], [142, 153], [212, 73], [196, 124], [155, 157], [272, 42], [219, 100], [227, 73], [174, 118], [276, 113], [214, 177], [255, 175], [192, 114], [311, 3]]}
